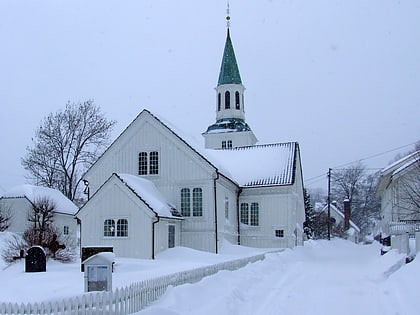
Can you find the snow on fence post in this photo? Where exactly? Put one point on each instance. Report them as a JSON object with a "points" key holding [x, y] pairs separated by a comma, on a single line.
{"points": [[401, 243]]}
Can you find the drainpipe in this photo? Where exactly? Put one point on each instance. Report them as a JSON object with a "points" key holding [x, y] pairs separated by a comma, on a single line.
{"points": [[153, 236], [215, 208], [238, 215], [79, 241]]}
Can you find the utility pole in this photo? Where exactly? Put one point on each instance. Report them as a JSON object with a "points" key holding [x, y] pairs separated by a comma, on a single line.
{"points": [[329, 204]]}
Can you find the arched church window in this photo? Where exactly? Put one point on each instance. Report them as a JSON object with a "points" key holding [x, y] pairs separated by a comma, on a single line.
{"points": [[219, 101], [227, 100], [237, 100]]}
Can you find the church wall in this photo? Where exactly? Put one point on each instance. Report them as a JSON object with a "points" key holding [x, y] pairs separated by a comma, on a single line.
{"points": [[145, 134], [177, 163], [199, 232], [179, 167], [161, 234], [113, 202], [297, 191], [277, 206], [239, 139], [227, 220]]}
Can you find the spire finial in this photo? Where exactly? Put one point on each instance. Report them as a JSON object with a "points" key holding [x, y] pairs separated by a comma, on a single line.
{"points": [[227, 15]]}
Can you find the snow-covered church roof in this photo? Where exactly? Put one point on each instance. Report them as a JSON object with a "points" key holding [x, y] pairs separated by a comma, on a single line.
{"points": [[34, 193], [149, 194], [258, 165]]}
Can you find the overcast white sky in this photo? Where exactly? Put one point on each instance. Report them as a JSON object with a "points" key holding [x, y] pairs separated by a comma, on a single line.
{"points": [[340, 77]]}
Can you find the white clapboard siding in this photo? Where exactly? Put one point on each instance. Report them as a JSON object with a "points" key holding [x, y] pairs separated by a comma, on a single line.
{"points": [[146, 133]]}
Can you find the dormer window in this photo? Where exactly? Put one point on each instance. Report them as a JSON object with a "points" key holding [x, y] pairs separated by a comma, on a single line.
{"points": [[227, 100]]}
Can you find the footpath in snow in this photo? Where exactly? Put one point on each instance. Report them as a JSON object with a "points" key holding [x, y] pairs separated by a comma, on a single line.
{"points": [[336, 277]]}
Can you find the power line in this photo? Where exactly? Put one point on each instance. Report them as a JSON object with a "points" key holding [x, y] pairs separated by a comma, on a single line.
{"points": [[375, 155], [316, 177], [363, 159]]}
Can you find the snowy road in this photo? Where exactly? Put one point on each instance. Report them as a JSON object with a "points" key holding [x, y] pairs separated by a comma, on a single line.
{"points": [[321, 278]]}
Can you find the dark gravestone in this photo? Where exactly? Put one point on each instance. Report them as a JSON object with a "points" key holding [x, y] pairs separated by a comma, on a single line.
{"points": [[35, 260]]}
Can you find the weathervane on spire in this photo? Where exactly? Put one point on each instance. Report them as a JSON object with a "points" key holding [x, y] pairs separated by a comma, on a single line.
{"points": [[227, 15]]}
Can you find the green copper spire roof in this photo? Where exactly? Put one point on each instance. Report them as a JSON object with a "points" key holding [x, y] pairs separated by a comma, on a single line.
{"points": [[229, 71]]}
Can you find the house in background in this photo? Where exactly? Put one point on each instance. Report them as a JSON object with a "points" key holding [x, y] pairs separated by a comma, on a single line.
{"points": [[20, 200], [338, 217], [155, 188], [398, 189]]}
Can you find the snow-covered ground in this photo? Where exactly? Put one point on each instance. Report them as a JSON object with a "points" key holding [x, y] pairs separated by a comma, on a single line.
{"points": [[65, 280], [336, 277]]}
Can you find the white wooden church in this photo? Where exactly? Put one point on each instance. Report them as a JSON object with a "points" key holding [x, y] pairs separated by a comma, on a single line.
{"points": [[154, 189]]}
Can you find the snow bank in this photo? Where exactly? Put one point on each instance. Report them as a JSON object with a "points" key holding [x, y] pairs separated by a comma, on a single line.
{"points": [[403, 288]]}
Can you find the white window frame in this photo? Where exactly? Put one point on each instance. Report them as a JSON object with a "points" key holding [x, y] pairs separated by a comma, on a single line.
{"points": [[149, 167], [113, 224], [280, 232], [190, 208], [246, 213]]}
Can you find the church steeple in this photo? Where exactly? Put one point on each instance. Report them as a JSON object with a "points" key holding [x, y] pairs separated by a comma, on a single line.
{"points": [[230, 129], [229, 71]]}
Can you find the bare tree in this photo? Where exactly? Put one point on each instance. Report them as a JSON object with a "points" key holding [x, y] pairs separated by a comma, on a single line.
{"points": [[5, 217], [65, 145], [41, 218], [346, 182]]}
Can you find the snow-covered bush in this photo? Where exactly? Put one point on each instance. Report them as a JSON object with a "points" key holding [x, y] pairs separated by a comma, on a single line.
{"points": [[12, 248]]}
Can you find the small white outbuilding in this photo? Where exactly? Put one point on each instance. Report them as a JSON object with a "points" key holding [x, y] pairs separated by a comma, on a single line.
{"points": [[20, 200]]}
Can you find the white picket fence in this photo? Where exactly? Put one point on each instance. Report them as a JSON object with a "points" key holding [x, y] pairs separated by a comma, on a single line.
{"points": [[122, 301], [402, 227]]}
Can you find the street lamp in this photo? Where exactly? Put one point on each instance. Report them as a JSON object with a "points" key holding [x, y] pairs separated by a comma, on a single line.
{"points": [[86, 190]]}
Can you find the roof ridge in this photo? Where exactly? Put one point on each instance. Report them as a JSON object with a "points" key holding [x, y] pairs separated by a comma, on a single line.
{"points": [[264, 145]]}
